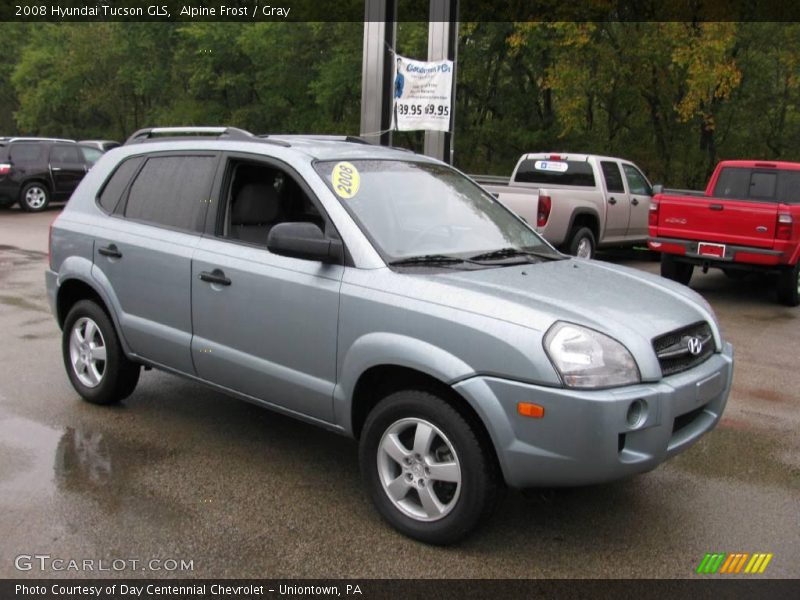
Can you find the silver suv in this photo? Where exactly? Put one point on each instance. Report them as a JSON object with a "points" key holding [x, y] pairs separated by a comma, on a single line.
{"points": [[385, 296]]}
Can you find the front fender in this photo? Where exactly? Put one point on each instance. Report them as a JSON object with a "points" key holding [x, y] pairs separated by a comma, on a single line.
{"points": [[383, 348]]}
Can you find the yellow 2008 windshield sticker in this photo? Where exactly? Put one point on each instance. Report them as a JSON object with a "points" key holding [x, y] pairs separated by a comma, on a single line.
{"points": [[346, 180]]}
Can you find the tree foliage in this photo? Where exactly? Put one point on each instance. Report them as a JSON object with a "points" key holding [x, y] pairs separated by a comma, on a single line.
{"points": [[674, 97]]}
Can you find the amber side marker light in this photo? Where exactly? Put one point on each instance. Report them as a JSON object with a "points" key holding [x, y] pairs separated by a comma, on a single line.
{"points": [[528, 409]]}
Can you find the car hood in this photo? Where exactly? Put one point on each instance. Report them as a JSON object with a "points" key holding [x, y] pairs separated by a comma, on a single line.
{"points": [[629, 305]]}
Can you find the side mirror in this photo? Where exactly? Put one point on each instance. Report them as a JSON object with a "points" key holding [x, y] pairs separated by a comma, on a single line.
{"points": [[304, 240], [658, 189]]}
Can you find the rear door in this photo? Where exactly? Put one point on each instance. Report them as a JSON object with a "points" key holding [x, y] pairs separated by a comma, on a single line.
{"points": [[67, 168], [743, 210], [639, 192], [145, 250], [618, 205]]}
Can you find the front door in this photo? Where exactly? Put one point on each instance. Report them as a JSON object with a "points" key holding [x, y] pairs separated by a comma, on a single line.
{"points": [[618, 207], [67, 168], [265, 325], [640, 193]]}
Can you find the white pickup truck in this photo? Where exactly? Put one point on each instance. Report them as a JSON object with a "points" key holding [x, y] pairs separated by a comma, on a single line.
{"points": [[578, 202]]}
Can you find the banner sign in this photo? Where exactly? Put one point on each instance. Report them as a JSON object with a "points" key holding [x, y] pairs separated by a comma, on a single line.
{"points": [[422, 94]]}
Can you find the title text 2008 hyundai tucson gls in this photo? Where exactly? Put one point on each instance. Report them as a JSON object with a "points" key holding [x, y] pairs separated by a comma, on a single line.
{"points": [[385, 296]]}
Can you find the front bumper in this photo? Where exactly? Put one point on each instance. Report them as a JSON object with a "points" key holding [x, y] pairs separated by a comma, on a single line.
{"points": [[585, 437]]}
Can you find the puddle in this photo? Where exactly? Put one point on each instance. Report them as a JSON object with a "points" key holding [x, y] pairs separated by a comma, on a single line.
{"points": [[733, 452], [22, 303]]}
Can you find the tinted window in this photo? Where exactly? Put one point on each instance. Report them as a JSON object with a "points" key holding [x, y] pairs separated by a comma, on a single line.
{"points": [[26, 153], [739, 182], [612, 176], [65, 154], [789, 187], [762, 185], [637, 184], [559, 172], [172, 191], [115, 186], [733, 183]]}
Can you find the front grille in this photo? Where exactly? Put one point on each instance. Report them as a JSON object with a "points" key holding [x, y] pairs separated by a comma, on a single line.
{"points": [[672, 349]]}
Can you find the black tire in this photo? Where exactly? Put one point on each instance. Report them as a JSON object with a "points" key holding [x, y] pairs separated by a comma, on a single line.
{"points": [[34, 197], [582, 242], [789, 286], [480, 483], [118, 375], [677, 271]]}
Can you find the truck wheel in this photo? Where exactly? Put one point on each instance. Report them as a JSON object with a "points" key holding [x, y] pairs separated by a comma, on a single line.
{"points": [[789, 286], [677, 271], [425, 469], [96, 365], [582, 243], [34, 197]]}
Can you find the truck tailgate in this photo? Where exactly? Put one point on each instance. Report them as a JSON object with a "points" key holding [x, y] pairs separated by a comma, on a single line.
{"points": [[738, 222]]}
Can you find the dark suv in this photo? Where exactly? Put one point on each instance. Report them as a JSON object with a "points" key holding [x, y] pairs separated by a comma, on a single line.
{"points": [[36, 171]]}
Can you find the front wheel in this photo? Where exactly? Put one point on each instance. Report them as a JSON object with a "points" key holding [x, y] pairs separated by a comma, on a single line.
{"points": [[96, 365], [34, 197], [425, 468], [789, 286], [677, 271]]}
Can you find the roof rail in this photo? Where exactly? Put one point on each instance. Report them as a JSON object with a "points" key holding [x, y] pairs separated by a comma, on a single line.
{"points": [[37, 139], [317, 137]]}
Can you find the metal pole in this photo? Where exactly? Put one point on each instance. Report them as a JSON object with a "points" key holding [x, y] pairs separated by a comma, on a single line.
{"points": [[380, 32], [443, 44]]}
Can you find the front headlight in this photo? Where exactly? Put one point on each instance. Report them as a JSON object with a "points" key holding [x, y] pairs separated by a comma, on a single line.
{"points": [[585, 358]]}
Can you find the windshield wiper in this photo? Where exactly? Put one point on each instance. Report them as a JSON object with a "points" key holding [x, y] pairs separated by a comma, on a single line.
{"points": [[427, 259], [510, 252]]}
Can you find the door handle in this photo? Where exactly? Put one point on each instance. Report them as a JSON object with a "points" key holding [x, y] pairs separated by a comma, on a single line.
{"points": [[215, 276], [612, 200], [111, 251], [716, 206], [635, 202]]}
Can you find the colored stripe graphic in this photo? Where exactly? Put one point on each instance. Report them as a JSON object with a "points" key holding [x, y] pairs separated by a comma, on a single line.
{"points": [[722, 563]]}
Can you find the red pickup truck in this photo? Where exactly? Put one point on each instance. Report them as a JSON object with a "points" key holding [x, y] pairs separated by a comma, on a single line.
{"points": [[748, 219]]}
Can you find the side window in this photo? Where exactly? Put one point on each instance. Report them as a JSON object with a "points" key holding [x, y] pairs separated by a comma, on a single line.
{"points": [[26, 153], [90, 155], [172, 191], [115, 186], [62, 154], [637, 184], [612, 176], [789, 187], [260, 196]]}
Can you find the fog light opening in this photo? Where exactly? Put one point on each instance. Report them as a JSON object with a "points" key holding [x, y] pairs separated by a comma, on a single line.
{"points": [[637, 413]]}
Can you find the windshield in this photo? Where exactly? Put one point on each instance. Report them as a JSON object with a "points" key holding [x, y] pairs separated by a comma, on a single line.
{"points": [[410, 209]]}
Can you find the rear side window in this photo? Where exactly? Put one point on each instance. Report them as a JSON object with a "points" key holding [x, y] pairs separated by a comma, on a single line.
{"points": [[91, 155], [26, 153], [114, 187], [558, 172], [758, 184], [65, 154], [172, 191], [612, 176]]}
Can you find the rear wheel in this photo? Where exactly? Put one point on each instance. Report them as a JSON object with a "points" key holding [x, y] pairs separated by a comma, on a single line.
{"points": [[34, 197], [789, 286], [582, 243], [425, 468], [96, 365], [675, 270]]}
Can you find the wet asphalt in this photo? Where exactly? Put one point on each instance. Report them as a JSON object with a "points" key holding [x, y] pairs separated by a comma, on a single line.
{"points": [[181, 472]]}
